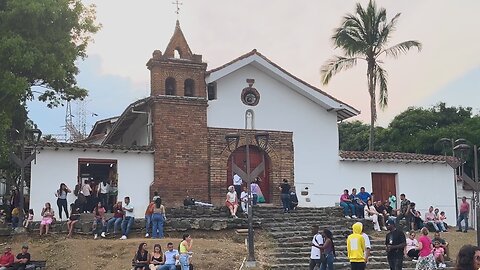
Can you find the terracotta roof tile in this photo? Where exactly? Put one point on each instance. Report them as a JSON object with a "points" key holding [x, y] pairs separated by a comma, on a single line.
{"points": [[79, 145], [391, 156]]}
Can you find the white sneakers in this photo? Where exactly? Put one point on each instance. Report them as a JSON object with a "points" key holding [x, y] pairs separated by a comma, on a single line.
{"points": [[123, 237], [442, 265], [348, 217], [354, 216], [147, 235], [103, 234], [384, 228], [95, 236]]}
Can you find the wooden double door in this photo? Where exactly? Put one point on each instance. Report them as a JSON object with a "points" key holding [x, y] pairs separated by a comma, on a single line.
{"points": [[382, 184], [259, 166]]}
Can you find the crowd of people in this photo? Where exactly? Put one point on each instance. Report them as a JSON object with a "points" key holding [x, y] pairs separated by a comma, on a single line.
{"points": [[363, 205]]}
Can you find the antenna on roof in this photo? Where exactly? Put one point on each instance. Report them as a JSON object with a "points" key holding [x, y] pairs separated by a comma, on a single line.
{"points": [[178, 4]]}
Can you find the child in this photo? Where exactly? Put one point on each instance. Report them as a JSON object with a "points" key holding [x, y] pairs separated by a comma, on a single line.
{"points": [[15, 217], [443, 219], [28, 218], [438, 252], [244, 200]]}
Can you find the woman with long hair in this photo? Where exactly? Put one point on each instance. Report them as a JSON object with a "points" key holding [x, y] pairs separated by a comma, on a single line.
{"points": [[157, 257], [328, 248], [61, 195], [468, 258], [426, 261], [231, 201], [99, 220], [141, 259], [74, 217], [47, 218], [158, 219], [185, 250]]}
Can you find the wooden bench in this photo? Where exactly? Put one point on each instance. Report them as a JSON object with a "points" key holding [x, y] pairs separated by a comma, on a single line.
{"points": [[37, 265]]}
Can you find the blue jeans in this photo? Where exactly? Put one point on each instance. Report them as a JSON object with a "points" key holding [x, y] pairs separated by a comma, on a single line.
{"points": [[328, 265], [157, 224], [127, 224], [348, 207], [462, 216], [254, 199], [167, 267], [148, 222], [184, 262], [285, 201], [98, 226], [116, 223]]}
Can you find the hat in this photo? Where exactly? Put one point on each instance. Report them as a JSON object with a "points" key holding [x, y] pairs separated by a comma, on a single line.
{"points": [[25, 246], [390, 222]]}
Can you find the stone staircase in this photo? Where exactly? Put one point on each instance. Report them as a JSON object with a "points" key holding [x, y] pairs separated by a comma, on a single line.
{"points": [[292, 234]]}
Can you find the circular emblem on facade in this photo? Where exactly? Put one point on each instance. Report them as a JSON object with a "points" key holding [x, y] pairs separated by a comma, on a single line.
{"points": [[250, 95]]}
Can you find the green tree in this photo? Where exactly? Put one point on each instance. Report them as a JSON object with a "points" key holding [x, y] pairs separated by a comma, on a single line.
{"points": [[365, 36]]}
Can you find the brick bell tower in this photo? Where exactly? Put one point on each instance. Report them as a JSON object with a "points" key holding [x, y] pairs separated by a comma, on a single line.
{"points": [[179, 117]]}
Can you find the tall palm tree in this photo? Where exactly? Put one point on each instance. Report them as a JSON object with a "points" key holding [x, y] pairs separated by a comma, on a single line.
{"points": [[364, 36]]}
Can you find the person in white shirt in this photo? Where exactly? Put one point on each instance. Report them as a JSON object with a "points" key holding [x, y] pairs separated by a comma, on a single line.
{"points": [[128, 218], [371, 213], [315, 252], [102, 193], [87, 192], [244, 200], [231, 201], [237, 183]]}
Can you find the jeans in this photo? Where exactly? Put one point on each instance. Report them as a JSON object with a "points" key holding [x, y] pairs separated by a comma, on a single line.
{"points": [[462, 216], [98, 226], [285, 201], [126, 225], [348, 207], [167, 267], [184, 263], [103, 197], [254, 199], [313, 263], [328, 265], [148, 222], [157, 224], [434, 224], [116, 221], [395, 262], [238, 189], [62, 203]]}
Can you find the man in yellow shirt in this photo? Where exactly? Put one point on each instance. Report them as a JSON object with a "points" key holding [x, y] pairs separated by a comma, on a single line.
{"points": [[356, 248]]}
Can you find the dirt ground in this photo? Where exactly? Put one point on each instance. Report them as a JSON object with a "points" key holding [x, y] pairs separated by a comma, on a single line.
{"points": [[212, 250]]}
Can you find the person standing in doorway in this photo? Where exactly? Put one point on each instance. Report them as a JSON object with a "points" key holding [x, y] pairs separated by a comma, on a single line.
{"points": [[87, 192], [356, 248], [395, 243], [464, 212], [102, 192], [61, 195], [128, 218], [285, 195], [237, 184]]}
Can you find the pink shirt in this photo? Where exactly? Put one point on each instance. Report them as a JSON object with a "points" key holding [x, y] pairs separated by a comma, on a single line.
{"points": [[429, 216], [426, 246], [344, 197], [438, 251], [464, 207]]}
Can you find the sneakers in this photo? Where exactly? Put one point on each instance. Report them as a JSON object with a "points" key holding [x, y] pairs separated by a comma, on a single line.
{"points": [[95, 236], [124, 237], [354, 216], [348, 217], [102, 235], [147, 235], [414, 260], [442, 265], [384, 228]]}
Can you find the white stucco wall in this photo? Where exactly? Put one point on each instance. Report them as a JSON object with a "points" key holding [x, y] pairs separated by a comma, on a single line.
{"points": [[135, 174], [315, 135], [423, 183]]}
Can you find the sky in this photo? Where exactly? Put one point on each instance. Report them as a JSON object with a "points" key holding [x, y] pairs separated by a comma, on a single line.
{"points": [[293, 34]]}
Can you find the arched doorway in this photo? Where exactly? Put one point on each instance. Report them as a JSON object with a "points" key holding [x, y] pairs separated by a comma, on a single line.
{"points": [[259, 166]]}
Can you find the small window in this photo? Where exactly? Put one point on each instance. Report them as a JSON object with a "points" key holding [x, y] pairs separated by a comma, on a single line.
{"points": [[177, 54], [189, 87], [170, 86], [212, 91]]}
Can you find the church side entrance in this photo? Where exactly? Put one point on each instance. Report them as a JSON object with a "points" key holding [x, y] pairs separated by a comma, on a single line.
{"points": [[382, 184], [259, 167]]}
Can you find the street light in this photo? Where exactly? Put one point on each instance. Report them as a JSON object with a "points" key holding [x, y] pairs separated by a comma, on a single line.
{"points": [[232, 140], [463, 148], [34, 136]]}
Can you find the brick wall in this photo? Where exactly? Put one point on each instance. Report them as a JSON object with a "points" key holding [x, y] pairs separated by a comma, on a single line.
{"points": [[279, 151], [181, 156]]}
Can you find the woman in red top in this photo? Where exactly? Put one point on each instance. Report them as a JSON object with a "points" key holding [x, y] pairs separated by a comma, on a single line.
{"points": [[426, 261]]}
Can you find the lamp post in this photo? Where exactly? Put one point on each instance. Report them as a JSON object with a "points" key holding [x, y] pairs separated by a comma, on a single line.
{"points": [[23, 161], [261, 139], [464, 149]]}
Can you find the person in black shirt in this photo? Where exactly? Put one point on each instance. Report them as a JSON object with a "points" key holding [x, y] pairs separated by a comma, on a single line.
{"points": [[22, 259], [395, 242], [285, 195]]}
